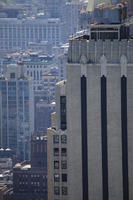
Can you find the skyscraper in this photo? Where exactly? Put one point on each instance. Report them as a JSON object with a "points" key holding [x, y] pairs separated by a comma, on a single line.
{"points": [[99, 95], [99, 118], [17, 111]]}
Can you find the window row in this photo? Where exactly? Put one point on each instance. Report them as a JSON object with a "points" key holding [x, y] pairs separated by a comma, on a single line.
{"points": [[63, 152], [64, 190], [56, 139], [63, 164], [57, 177]]}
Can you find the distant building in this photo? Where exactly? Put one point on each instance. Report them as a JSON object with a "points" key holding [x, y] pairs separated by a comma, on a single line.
{"points": [[39, 152], [6, 184], [11, 12], [130, 8], [16, 34], [29, 178], [43, 46], [43, 115], [17, 111], [5, 164], [36, 67], [42, 71], [54, 8], [72, 17]]}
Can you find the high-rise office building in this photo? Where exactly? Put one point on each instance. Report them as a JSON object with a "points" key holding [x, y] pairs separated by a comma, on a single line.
{"points": [[16, 34], [17, 111], [72, 17], [54, 8], [99, 95], [99, 117]]}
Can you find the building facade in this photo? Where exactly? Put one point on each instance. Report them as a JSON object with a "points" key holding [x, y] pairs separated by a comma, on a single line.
{"points": [[29, 178], [57, 149], [99, 96], [99, 118], [17, 112], [16, 34]]}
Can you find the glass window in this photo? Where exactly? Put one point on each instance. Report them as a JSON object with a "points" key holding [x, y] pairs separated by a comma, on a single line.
{"points": [[56, 190], [64, 190], [64, 164], [55, 139], [63, 139], [56, 164], [56, 151], [63, 151], [57, 177], [63, 112], [12, 75], [64, 177]]}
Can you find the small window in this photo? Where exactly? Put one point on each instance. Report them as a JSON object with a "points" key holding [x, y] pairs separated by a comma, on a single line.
{"points": [[12, 75], [64, 164], [64, 177], [63, 151], [56, 151], [63, 122], [56, 190], [64, 190], [55, 139], [56, 177], [56, 164], [63, 139]]}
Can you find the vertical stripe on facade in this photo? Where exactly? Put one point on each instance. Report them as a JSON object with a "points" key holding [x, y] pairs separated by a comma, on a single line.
{"points": [[104, 137], [84, 138], [124, 137]]}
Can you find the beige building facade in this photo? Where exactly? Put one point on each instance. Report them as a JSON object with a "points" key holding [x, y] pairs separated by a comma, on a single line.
{"points": [[57, 148], [99, 119], [99, 96]]}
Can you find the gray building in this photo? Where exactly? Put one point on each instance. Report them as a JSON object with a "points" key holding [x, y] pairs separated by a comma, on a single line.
{"points": [[17, 111], [72, 17], [130, 7], [57, 156], [99, 118], [98, 111], [16, 34], [29, 178]]}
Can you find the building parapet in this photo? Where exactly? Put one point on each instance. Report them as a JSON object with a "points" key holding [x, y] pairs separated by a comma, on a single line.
{"points": [[93, 50]]}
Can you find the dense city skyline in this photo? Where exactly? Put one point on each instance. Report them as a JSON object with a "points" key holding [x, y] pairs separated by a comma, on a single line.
{"points": [[66, 99]]}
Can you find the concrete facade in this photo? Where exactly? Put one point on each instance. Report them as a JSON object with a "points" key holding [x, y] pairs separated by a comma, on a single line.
{"points": [[57, 167], [95, 59], [99, 95]]}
